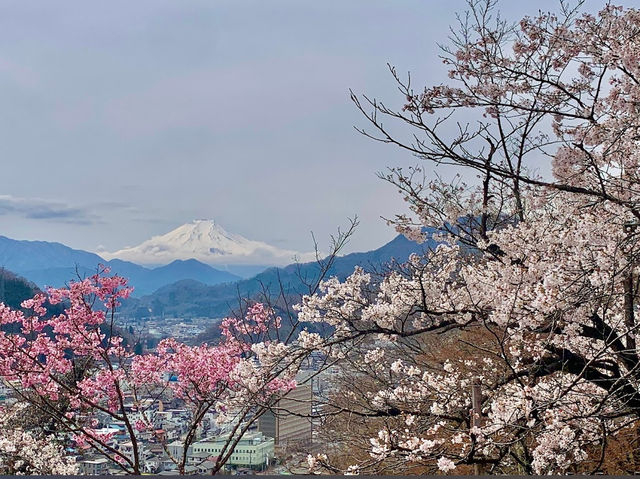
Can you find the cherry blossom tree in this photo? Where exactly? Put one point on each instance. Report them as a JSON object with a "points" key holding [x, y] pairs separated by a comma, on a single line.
{"points": [[238, 379], [536, 280], [73, 367], [22, 452]]}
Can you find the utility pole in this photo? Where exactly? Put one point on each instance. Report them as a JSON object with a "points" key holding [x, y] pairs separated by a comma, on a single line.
{"points": [[476, 417]]}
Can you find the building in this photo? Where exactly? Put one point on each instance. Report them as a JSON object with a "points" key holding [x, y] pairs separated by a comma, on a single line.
{"points": [[289, 422], [176, 449], [94, 467], [254, 450]]}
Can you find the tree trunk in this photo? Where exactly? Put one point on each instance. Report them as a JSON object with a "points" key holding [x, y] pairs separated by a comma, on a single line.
{"points": [[476, 417]]}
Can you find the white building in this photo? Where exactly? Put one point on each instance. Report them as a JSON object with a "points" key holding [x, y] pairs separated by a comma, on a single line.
{"points": [[94, 467], [254, 450]]}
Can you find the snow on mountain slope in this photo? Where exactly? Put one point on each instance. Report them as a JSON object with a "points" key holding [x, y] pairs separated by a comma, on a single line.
{"points": [[207, 242]]}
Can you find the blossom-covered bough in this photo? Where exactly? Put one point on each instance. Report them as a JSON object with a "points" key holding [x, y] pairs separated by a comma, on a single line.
{"points": [[239, 379], [73, 368], [533, 292], [24, 452]]}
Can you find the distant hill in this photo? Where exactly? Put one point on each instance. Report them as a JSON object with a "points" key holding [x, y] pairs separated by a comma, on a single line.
{"points": [[15, 289], [54, 264], [19, 256], [190, 298], [146, 281]]}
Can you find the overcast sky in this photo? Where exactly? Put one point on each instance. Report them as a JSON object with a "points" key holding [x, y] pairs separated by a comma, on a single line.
{"points": [[121, 120]]}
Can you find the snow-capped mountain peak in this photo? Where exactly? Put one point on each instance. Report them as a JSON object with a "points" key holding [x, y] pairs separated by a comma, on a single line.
{"points": [[206, 241]]}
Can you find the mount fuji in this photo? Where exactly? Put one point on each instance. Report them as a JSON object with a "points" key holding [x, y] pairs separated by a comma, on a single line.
{"points": [[208, 242]]}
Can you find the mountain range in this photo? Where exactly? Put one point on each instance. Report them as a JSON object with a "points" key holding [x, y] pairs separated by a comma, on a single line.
{"points": [[189, 298], [54, 264], [159, 261], [186, 286]]}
